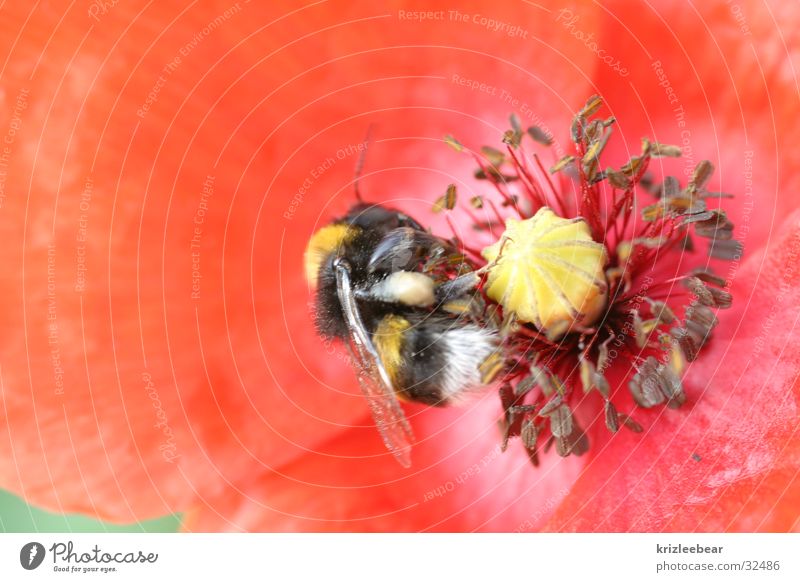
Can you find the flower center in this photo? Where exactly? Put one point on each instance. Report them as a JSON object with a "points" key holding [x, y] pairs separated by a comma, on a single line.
{"points": [[582, 282], [548, 271]]}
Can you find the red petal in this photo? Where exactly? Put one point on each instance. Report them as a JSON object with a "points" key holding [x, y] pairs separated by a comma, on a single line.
{"points": [[729, 462], [719, 79], [459, 481], [122, 122]]}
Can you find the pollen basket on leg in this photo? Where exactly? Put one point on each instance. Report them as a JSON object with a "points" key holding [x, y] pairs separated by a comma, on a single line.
{"points": [[548, 271]]}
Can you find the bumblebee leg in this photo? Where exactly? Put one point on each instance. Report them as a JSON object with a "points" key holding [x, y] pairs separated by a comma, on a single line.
{"points": [[458, 287], [358, 332], [466, 283]]}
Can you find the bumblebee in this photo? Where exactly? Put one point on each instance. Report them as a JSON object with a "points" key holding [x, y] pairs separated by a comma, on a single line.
{"points": [[396, 295]]}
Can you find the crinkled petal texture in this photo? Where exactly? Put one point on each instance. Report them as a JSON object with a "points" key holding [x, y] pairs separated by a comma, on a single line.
{"points": [[164, 166], [720, 80], [731, 460]]}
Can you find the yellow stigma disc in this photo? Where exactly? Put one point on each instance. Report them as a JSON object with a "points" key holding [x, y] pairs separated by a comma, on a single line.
{"points": [[548, 271]]}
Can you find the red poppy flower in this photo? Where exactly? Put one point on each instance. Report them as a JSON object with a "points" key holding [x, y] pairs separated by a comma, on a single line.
{"points": [[163, 167]]}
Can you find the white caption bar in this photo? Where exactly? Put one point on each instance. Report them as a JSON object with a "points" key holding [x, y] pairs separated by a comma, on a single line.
{"points": [[406, 557]]}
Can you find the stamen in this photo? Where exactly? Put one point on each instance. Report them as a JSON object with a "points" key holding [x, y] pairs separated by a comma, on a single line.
{"points": [[576, 281]]}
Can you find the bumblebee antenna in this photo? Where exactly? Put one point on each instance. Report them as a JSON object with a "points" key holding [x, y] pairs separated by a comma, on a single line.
{"points": [[360, 163]]}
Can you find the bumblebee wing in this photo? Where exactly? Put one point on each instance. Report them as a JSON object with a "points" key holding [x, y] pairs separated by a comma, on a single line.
{"points": [[392, 424]]}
